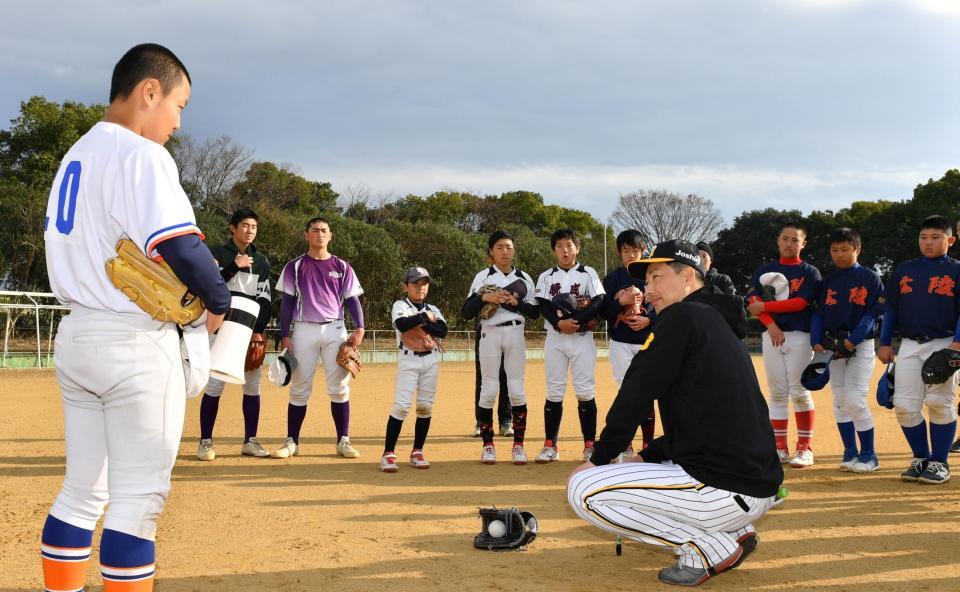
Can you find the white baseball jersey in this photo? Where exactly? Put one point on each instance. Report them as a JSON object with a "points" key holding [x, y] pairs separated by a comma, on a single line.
{"points": [[111, 183], [493, 276], [405, 308], [579, 280]]}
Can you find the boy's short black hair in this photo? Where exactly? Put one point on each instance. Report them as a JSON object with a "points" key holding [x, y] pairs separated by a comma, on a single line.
{"points": [[629, 238], [499, 235], [147, 60], [314, 220], [794, 224], [564, 233], [845, 235], [243, 214], [937, 222]]}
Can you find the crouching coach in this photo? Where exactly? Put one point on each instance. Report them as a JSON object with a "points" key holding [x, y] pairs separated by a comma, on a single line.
{"points": [[699, 488]]}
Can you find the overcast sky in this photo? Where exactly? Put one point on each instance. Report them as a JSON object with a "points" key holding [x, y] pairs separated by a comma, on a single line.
{"points": [[805, 103]]}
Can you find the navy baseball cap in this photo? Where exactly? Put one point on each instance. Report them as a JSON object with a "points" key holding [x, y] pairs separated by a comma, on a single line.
{"points": [[415, 274], [671, 251]]}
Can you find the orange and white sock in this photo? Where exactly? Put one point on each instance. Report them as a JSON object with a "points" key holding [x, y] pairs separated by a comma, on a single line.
{"points": [[804, 430], [65, 554]]}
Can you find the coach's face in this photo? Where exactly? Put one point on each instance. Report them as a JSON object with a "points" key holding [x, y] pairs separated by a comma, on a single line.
{"points": [[665, 286]]}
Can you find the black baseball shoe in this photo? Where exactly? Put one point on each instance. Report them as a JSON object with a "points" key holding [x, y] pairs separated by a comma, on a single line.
{"points": [[956, 446], [916, 468], [935, 472]]}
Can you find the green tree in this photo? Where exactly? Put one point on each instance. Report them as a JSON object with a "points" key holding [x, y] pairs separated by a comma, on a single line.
{"points": [[30, 154]]}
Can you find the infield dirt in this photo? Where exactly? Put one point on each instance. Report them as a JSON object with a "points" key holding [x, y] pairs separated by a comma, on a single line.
{"points": [[320, 522]]}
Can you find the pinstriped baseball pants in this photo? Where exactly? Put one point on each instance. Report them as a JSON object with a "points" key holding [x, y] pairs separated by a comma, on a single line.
{"points": [[660, 504]]}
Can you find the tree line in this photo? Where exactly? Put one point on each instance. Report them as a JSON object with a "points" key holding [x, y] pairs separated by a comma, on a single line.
{"points": [[445, 232]]}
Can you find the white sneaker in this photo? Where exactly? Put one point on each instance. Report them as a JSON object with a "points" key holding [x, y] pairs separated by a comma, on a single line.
{"points": [[476, 430], [288, 449], [587, 453], [548, 454], [252, 447], [489, 455], [519, 455], [417, 461], [869, 464], [205, 450], [506, 429], [345, 450], [388, 463], [784, 455], [803, 458]]}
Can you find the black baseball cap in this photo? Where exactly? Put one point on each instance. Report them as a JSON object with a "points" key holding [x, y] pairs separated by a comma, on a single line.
{"points": [[415, 274], [705, 247], [671, 251]]}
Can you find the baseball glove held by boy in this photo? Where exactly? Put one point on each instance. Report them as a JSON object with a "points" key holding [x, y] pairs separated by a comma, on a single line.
{"points": [[418, 340], [488, 309], [152, 286], [348, 358]]}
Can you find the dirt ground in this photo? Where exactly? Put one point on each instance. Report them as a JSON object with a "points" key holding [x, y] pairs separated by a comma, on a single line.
{"points": [[319, 522]]}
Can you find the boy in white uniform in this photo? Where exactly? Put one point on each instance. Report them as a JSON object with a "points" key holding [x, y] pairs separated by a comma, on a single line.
{"points": [[419, 325], [511, 297], [569, 345], [120, 372]]}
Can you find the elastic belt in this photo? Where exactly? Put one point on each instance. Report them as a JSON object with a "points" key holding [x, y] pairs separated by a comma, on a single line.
{"points": [[415, 353], [320, 322], [509, 323]]}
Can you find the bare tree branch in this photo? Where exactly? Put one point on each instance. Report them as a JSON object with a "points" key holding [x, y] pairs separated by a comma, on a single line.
{"points": [[661, 215]]}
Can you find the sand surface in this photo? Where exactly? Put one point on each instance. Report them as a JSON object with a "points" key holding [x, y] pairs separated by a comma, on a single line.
{"points": [[320, 522]]}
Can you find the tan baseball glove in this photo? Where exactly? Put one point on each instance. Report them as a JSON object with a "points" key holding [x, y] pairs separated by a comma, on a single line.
{"points": [[418, 340], [152, 286], [255, 352], [348, 358], [488, 309]]}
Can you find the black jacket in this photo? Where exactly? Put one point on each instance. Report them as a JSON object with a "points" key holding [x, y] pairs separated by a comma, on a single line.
{"points": [[715, 420], [249, 282], [721, 281]]}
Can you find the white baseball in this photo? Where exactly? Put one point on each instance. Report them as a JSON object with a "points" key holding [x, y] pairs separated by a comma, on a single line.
{"points": [[497, 528]]}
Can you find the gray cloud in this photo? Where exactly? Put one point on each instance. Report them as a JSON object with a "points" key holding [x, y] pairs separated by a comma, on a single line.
{"points": [[809, 103]]}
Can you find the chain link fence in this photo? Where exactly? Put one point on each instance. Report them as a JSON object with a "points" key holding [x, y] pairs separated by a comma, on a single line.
{"points": [[30, 323]]}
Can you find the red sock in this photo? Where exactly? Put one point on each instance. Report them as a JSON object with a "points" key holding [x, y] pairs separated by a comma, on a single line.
{"points": [[780, 432], [804, 429]]}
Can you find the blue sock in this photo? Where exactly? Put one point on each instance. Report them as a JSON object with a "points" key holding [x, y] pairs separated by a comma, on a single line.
{"points": [[295, 417], [941, 438], [866, 441], [917, 439], [126, 558], [58, 533], [848, 435]]}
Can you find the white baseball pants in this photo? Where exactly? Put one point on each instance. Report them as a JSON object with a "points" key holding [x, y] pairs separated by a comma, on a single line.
{"points": [[784, 365], [911, 394], [621, 354], [251, 386], [850, 382], [576, 354], [123, 391], [509, 342], [420, 374], [312, 343], [660, 504]]}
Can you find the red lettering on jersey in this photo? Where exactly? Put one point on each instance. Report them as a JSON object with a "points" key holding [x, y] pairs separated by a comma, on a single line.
{"points": [[795, 285], [942, 286], [554, 289], [830, 301], [575, 289], [858, 296], [905, 284]]}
